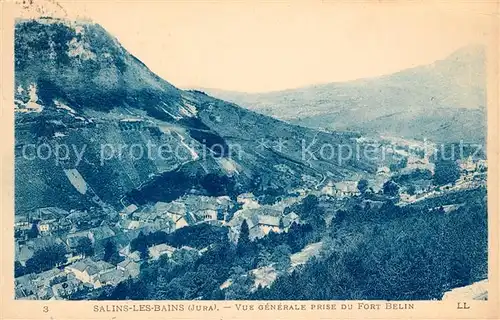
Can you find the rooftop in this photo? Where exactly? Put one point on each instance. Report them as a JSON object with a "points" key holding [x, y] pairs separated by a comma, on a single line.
{"points": [[112, 277], [90, 266], [44, 242], [49, 213], [268, 220], [161, 248], [102, 232]]}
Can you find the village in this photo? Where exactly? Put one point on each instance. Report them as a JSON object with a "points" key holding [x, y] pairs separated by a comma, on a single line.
{"points": [[94, 245], [86, 236]]}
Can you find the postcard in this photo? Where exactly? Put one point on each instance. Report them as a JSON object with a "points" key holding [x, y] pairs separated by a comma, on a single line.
{"points": [[240, 160]]}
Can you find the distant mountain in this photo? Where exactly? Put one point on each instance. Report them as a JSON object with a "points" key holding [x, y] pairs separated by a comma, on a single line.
{"points": [[444, 101], [78, 89]]}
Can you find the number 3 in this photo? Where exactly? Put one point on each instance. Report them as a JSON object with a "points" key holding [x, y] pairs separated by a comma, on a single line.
{"points": [[45, 309]]}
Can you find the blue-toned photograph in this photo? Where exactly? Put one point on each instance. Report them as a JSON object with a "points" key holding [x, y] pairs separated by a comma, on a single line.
{"points": [[172, 155]]}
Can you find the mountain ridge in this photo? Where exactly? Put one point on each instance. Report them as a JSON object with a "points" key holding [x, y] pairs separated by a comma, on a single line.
{"points": [[415, 103], [76, 86]]}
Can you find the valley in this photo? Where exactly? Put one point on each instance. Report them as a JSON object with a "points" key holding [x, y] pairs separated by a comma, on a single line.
{"points": [[127, 187]]}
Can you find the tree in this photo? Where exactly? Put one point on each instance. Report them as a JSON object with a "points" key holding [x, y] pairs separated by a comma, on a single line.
{"points": [[19, 270], [391, 188], [281, 257], [42, 127], [214, 184], [33, 232], [310, 202], [296, 236], [220, 215], [264, 258], [140, 244], [446, 171], [362, 185], [111, 254], [310, 211], [46, 259], [185, 256], [241, 285], [244, 239], [282, 224], [340, 216], [411, 190], [84, 247]]}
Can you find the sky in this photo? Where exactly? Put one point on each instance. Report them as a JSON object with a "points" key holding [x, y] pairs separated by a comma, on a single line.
{"points": [[266, 46]]}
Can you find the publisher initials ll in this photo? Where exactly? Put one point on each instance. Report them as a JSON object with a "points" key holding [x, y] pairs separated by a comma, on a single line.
{"points": [[463, 305]]}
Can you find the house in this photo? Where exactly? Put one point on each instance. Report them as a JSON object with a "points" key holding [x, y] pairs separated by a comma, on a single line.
{"points": [[40, 284], [74, 257], [44, 293], [44, 278], [384, 170], [132, 234], [207, 208], [256, 233], [418, 163], [180, 223], [186, 220], [207, 212], [65, 289], [163, 207], [328, 189], [47, 219], [24, 286], [89, 271], [248, 201], [48, 214], [40, 243], [73, 239], [162, 223], [144, 215], [100, 236], [22, 293], [111, 277], [122, 241], [156, 251], [130, 209], [345, 189], [130, 224], [470, 165], [45, 227], [172, 210], [190, 218], [290, 219], [100, 233], [64, 225], [130, 268], [134, 256], [224, 201], [76, 216], [21, 222], [268, 223], [127, 211], [261, 225]]}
